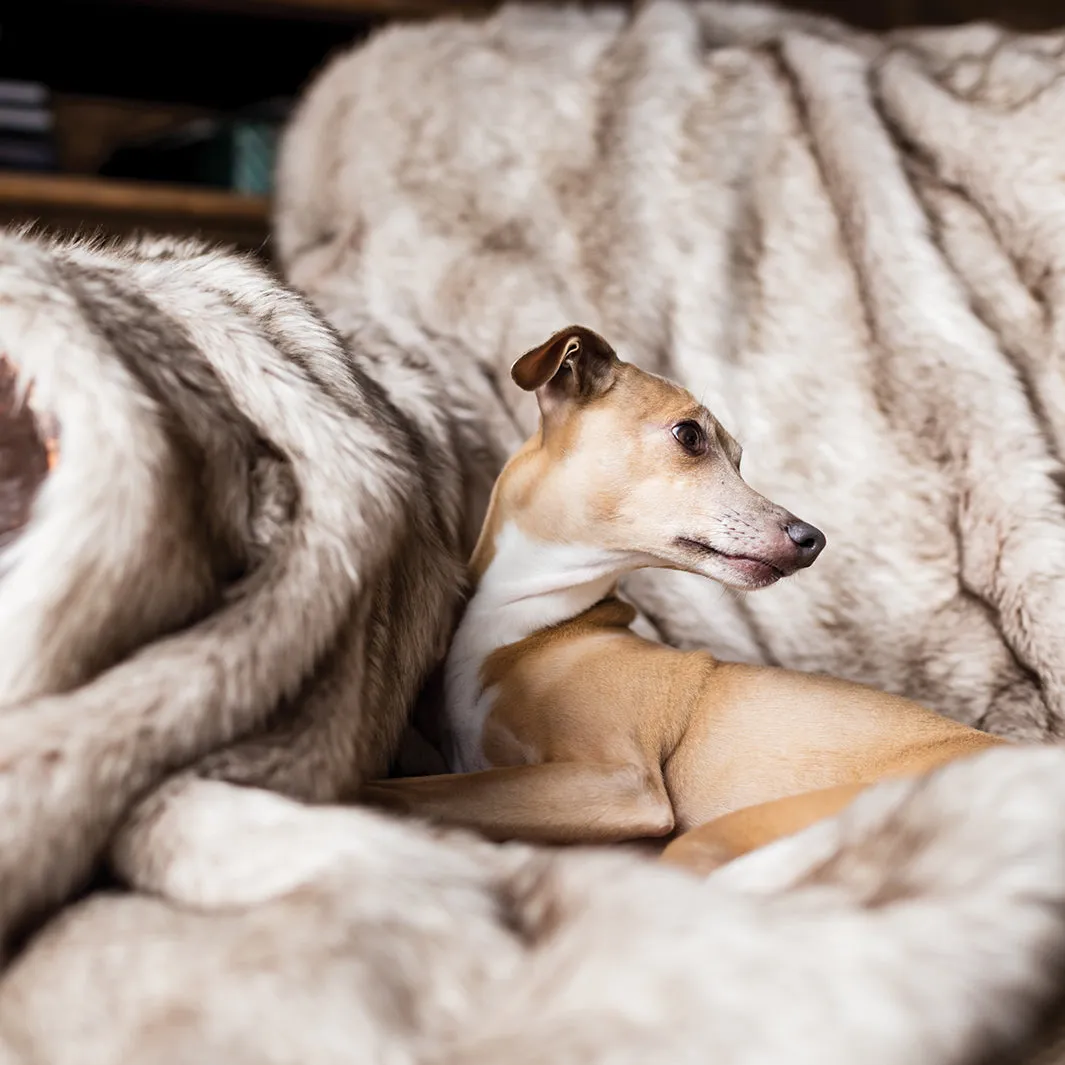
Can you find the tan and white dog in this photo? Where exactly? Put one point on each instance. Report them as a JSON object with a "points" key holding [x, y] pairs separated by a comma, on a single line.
{"points": [[566, 726]]}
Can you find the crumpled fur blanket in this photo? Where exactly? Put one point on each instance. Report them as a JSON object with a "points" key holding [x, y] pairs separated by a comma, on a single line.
{"points": [[849, 246], [246, 558]]}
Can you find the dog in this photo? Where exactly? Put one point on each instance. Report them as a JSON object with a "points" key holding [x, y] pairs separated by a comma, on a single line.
{"points": [[565, 725]]}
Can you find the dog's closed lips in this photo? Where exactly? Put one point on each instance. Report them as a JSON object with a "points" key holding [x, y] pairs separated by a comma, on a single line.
{"points": [[756, 570], [758, 546]]}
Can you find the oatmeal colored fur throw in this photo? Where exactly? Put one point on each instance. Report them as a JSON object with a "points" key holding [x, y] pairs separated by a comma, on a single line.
{"points": [[852, 249], [245, 559]]}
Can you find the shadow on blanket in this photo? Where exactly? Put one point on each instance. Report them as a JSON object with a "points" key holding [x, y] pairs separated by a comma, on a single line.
{"points": [[24, 456]]}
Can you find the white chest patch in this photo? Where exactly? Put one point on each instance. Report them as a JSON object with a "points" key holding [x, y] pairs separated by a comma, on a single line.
{"points": [[529, 585]]}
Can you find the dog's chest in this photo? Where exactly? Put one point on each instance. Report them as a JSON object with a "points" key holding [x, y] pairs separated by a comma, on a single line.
{"points": [[468, 702], [466, 749], [584, 698]]}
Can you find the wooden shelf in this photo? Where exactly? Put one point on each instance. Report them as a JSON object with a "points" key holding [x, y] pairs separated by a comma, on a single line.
{"points": [[370, 9], [136, 197], [70, 202], [882, 14], [326, 9]]}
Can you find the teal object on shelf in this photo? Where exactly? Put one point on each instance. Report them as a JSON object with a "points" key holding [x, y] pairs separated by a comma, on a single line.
{"points": [[254, 152], [235, 153], [240, 156]]}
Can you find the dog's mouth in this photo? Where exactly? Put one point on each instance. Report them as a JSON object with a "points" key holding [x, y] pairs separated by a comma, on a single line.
{"points": [[756, 572]]}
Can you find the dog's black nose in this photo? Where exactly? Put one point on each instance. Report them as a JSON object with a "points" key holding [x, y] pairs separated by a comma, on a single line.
{"points": [[809, 540]]}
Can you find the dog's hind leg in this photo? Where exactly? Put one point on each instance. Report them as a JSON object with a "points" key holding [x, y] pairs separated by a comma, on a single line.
{"points": [[705, 848]]}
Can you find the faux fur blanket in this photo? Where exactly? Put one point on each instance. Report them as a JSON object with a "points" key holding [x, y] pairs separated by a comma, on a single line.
{"points": [[850, 247], [231, 553]]}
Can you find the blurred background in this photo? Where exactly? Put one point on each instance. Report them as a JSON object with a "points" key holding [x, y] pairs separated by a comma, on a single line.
{"points": [[163, 114]]}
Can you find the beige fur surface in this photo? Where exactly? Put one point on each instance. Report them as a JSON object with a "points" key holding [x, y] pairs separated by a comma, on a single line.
{"points": [[925, 925], [850, 247], [235, 493], [248, 555]]}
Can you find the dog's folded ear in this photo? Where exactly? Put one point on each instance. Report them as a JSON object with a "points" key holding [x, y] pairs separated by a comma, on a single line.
{"points": [[574, 363]]}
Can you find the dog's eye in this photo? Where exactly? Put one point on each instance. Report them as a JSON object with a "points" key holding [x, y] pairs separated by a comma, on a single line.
{"points": [[691, 437]]}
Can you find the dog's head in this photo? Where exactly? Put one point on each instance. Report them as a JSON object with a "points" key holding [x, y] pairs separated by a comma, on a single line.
{"points": [[628, 461]]}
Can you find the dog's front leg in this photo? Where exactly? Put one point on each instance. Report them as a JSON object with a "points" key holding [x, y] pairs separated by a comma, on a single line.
{"points": [[555, 802]]}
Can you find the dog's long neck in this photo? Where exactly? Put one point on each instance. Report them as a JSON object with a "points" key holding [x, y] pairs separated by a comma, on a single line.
{"points": [[523, 585], [531, 584]]}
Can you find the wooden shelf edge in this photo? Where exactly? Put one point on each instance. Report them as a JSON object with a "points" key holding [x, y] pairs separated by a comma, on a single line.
{"points": [[370, 10], [102, 195]]}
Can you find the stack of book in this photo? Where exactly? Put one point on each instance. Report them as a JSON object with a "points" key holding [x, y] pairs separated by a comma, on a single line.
{"points": [[27, 127]]}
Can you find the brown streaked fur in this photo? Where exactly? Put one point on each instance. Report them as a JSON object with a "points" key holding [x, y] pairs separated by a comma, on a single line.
{"points": [[595, 734]]}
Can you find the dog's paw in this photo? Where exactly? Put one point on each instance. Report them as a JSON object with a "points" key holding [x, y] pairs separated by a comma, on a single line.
{"points": [[698, 852]]}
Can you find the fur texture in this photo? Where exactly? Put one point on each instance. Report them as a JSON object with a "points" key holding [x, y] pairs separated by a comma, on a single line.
{"points": [[237, 494], [809, 229], [246, 558], [926, 924]]}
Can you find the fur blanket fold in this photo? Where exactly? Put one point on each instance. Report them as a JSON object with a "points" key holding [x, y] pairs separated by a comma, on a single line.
{"points": [[248, 513]]}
